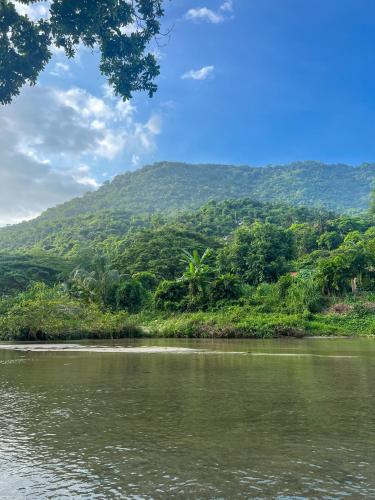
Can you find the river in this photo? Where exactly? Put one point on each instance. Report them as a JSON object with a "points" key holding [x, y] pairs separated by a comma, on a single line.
{"points": [[286, 419]]}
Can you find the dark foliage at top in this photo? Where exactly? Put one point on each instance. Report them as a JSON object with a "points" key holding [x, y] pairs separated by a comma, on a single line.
{"points": [[25, 46]]}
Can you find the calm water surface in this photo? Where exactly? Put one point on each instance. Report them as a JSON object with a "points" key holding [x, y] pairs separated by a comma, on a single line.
{"points": [[217, 425]]}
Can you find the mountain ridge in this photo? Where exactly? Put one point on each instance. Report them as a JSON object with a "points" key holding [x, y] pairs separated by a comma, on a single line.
{"points": [[165, 189], [303, 183]]}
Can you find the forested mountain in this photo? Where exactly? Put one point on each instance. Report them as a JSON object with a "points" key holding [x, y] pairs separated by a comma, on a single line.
{"points": [[174, 186], [106, 230], [134, 199]]}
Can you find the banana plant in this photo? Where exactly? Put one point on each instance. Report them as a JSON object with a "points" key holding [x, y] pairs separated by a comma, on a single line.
{"points": [[196, 273], [195, 263]]}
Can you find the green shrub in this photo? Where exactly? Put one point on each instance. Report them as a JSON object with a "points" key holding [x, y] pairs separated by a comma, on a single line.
{"points": [[283, 285], [360, 310], [44, 313], [224, 287], [130, 295], [171, 295], [148, 280], [304, 294], [266, 298]]}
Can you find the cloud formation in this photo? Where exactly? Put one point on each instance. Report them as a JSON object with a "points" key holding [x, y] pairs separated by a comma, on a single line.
{"points": [[199, 74], [227, 6], [208, 15], [35, 11], [51, 140], [60, 69]]}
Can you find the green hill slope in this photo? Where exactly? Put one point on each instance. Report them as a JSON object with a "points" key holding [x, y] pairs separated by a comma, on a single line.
{"points": [[175, 186], [130, 199]]}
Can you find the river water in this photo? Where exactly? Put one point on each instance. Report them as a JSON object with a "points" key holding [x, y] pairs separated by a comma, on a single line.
{"points": [[286, 419]]}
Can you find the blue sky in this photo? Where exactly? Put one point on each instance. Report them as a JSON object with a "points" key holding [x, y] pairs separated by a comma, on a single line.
{"points": [[242, 82], [293, 80]]}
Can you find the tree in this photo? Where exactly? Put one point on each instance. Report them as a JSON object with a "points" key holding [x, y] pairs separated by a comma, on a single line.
{"points": [[225, 287], [96, 285], [257, 253], [158, 250], [171, 295], [148, 280], [347, 265], [372, 202], [329, 240], [120, 29], [305, 236], [130, 295], [304, 294]]}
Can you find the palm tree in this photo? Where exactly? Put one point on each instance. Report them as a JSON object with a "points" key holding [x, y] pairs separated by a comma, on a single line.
{"points": [[97, 284]]}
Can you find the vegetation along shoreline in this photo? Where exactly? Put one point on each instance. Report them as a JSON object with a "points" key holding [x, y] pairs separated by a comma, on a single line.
{"points": [[107, 266]]}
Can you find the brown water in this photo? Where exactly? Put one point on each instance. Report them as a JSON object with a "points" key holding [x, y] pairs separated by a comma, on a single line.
{"points": [[191, 425]]}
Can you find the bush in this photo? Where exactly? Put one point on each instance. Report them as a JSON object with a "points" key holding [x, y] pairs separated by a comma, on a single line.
{"points": [[360, 310], [304, 295], [266, 298], [171, 295], [44, 313], [283, 285], [130, 295], [148, 280], [224, 287]]}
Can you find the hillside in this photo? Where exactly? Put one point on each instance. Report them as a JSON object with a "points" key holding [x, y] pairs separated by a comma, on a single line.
{"points": [[164, 188], [104, 229], [174, 186], [17, 271]]}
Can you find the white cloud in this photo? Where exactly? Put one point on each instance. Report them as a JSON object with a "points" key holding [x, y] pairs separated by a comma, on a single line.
{"points": [[209, 15], [82, 177], [87, 106], [154, 125], [87, 181], [60, 69], [35, 11], [54, 144], [227, 6], [204, 14], [199, 74]]}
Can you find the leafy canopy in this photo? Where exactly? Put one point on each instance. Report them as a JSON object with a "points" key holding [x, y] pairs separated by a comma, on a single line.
{"points": [[259, 252], [120, 29]]}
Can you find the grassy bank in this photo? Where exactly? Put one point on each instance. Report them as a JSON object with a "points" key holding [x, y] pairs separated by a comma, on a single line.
{"points": [[47, 314], [85, 324], [69, 322], [239, 322], [44, 313]]}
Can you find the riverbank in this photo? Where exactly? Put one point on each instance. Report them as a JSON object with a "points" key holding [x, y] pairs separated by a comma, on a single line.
{"points": [[238, 322], [88, 322]]}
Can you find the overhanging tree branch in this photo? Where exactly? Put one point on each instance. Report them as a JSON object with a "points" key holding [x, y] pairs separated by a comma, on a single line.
{"points": [[26, 45]]}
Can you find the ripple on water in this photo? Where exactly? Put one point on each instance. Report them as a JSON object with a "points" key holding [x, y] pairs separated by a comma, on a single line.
{"points": [[186, 426]]}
